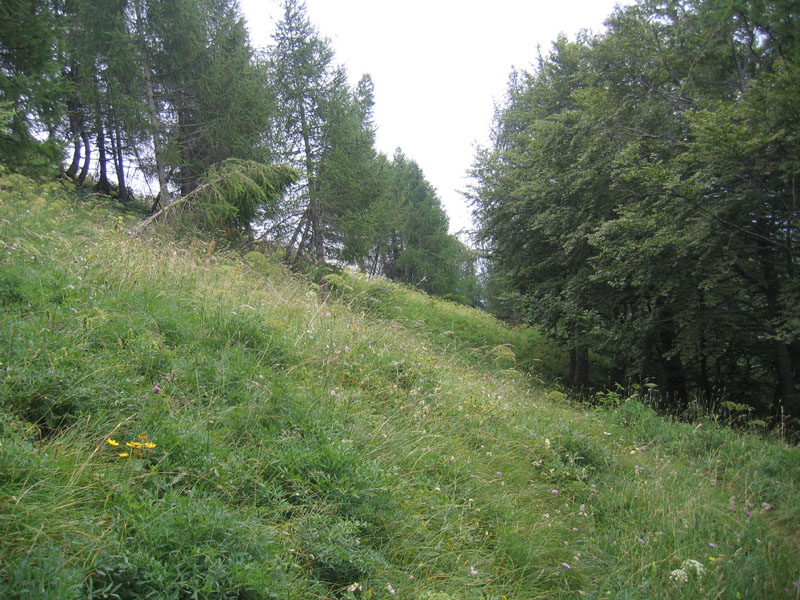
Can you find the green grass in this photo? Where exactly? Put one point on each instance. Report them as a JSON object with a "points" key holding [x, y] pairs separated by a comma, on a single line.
{"points": [[352, 440]]}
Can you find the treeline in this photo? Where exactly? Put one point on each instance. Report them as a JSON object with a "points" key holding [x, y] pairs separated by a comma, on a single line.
{"points": [[121, 92], [639, 198]]}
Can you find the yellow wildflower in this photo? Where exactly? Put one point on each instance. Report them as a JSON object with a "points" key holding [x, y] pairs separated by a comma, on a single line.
{"points": [[123, 454], [142, 436], [133, 444], [149, 445], [111, 442]]}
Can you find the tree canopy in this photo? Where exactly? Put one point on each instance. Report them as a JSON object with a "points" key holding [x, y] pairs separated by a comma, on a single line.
{"points": [[170, 95], [639, 198]]}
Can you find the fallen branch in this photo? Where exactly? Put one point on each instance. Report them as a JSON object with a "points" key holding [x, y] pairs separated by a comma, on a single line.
{"points": [[141, 226], [232, 192]]}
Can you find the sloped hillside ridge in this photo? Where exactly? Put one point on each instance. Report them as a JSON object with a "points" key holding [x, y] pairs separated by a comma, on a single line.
{"points": [[182, 420]]}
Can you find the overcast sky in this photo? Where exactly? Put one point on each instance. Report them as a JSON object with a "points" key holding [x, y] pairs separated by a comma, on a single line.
{"points": [[439, 67]]}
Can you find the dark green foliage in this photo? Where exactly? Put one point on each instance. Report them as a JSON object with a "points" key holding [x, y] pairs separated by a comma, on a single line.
{"points": [[234, 193], [42, 573], [407, 238], [638, 199], [217, 100], [217, 555], [29, 84], [111, 79], [322, 128]]}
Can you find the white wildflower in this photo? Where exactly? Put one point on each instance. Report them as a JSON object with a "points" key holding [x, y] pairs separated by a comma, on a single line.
{"points": [[689, 564], [390, 588], [678, 576], [354, 587], [682, 575]]}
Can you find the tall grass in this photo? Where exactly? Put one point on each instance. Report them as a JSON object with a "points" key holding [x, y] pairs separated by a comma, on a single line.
{"points": [[350, 440]]}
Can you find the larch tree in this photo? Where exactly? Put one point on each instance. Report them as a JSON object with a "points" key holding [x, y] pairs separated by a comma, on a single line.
{"points": [[323, 128]]}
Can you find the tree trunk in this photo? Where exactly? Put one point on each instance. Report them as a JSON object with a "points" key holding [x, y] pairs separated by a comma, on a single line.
{"points": [[74, 127], [789, 396], [578, 370], [314, 217], [155, 124], [119, 165], [87, 156], [72, 171], [673, 379], [287, 257], [189, 176], [374, 269], [102, 186], [316, 233], [302, 241], [573, 362]]}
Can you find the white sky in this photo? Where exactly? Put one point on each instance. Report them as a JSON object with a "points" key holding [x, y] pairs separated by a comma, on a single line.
{"points": [[439, 67]]}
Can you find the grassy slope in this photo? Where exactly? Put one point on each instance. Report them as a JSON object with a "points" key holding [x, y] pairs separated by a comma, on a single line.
{"points": [[306, 444]]}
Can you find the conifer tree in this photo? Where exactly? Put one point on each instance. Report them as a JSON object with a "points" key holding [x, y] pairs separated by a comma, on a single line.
{"points": [[30, 82], [323, 128]]}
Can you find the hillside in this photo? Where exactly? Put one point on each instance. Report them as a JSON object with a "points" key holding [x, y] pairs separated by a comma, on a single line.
{"points": [[181, 421]]}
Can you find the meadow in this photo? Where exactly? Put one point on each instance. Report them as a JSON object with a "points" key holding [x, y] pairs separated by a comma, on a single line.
{"points": [[181, 419]]}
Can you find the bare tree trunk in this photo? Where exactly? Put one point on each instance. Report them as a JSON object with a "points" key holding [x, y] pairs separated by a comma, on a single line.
{"points": [[297, 231], [786, 385], [73, 113], [119, 165], [302, 241], [374, 269], [578, 371], [74, 127], [155, 124], [314, 218], [87, 155], [102, 186], [316, 233]]}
